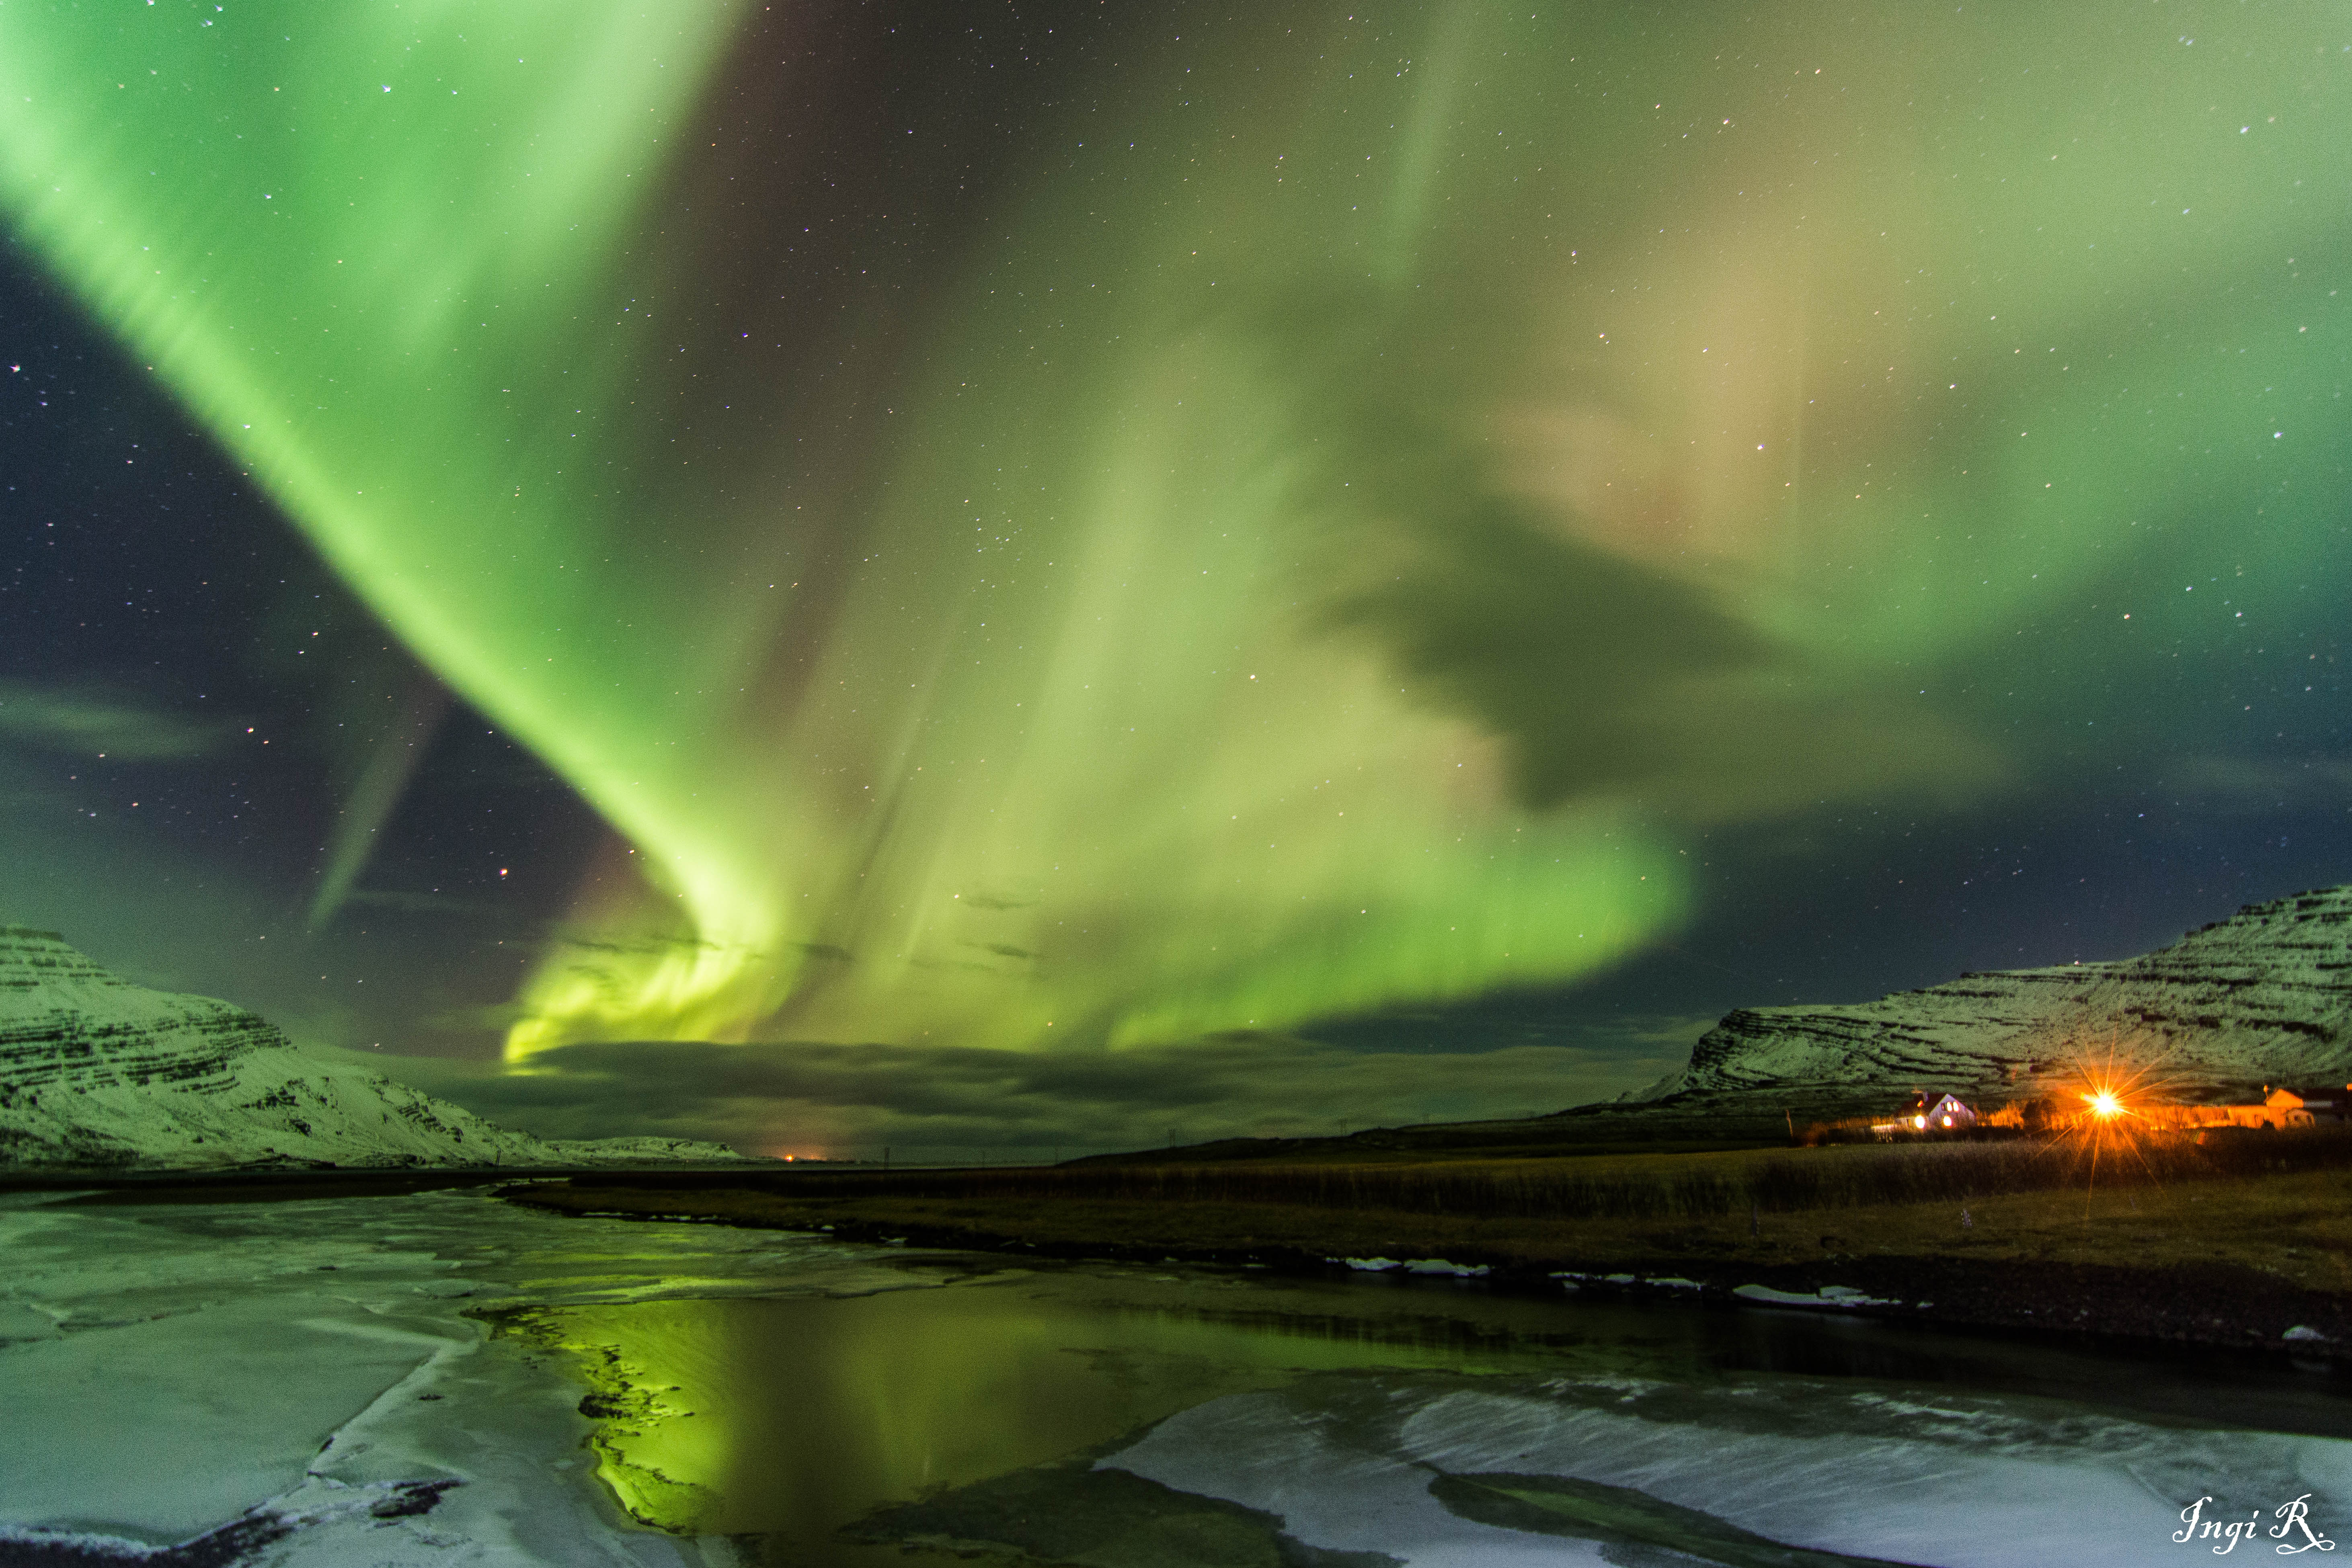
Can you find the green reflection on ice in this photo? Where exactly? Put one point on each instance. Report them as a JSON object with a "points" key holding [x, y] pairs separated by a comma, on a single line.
{"points": [[798, 1416]]}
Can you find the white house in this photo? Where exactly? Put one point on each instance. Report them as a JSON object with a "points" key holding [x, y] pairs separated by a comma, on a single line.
{"points": [[1945, 1113]]}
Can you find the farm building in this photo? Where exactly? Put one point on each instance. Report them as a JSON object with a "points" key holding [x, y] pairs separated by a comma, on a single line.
{"points": [[1925, 1115], [2279, 1107]]}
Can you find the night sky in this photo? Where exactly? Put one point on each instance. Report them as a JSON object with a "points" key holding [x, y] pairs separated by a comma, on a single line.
{"points": [[1017, 577]]}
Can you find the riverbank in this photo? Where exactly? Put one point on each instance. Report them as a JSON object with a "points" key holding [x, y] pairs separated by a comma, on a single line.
{"points": [[2243, 1261]]}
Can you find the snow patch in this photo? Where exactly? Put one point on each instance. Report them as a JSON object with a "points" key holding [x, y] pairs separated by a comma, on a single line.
{"points": [[1828, 1296]]}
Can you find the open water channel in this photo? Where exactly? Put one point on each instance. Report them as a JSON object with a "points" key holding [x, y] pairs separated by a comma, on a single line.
{"points": [[443, 1378]]}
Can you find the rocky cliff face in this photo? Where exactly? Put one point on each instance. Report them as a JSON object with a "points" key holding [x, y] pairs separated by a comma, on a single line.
{"points": [[96, 1072], [2264, 997]]}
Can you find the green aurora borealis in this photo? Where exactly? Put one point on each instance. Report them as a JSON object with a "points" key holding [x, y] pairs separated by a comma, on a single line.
{"points": [[1320, 514]]}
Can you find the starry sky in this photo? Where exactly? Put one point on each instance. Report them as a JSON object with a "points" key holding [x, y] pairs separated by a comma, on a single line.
{"points": [[1018, 576]]}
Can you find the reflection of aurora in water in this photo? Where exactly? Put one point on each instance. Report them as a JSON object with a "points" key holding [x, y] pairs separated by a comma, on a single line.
{"points": [[172, 1367], [1120, 1415], [1315, 516]]}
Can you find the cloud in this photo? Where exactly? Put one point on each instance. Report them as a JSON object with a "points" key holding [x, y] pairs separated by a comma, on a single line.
{"points": [[953, 1102], [2254, 785], [1610, 678], [85, 718], [412, 903]]}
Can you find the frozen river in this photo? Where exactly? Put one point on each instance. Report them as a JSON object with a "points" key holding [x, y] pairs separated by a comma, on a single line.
{"points": [[441, 1378]]}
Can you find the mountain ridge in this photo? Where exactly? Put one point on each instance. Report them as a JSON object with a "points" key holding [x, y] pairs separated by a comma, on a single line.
{"points": [[2261, 997], [97, 1073]]}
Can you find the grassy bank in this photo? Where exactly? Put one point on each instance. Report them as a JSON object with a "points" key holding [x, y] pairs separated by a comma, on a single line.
{"points": [[1684, 1186], [2168, 1239], [2295, 1226]]}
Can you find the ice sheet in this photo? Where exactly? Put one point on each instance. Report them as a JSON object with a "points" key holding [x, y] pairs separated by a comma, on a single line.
{"points": [[308, 1372], [1291, 1455], [1955, 1482], [167, 1370]]}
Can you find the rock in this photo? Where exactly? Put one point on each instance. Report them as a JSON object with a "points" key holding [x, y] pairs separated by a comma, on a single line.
{"points": [[639, 1151]]}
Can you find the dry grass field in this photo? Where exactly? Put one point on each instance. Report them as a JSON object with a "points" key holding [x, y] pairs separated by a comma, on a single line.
{"points": [[2272, 1203]]}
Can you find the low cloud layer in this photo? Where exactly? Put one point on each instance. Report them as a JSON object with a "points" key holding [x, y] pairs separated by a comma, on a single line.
{"points": [[88, 720], [959, 1103]]}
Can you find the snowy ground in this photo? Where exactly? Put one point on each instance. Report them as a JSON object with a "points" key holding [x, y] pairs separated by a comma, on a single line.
{"points": [[292, 1372], [298, 1384], [1954, 1481]]}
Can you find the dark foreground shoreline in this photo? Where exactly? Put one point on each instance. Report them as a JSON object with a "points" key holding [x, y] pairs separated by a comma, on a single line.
{"points": [[2180, 1302], [2202, 1307]]}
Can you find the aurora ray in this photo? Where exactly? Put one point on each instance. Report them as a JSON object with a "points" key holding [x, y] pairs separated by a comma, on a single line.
{"points": [[1318, 530]]}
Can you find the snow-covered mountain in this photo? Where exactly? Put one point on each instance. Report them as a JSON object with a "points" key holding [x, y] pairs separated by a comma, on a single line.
{"points": [[2263, 997], [96, 1072]]}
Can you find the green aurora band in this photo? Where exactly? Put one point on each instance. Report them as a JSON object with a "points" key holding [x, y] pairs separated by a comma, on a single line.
{"points": [[1328, 528]]}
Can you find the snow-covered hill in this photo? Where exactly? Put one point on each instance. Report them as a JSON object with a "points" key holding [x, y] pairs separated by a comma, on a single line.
{"points": [[2263, 997], [98, 1072]]}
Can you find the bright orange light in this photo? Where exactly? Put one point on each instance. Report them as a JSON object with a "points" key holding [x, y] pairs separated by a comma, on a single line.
{"points": [[1918, 1121], [2104, 1105]]}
